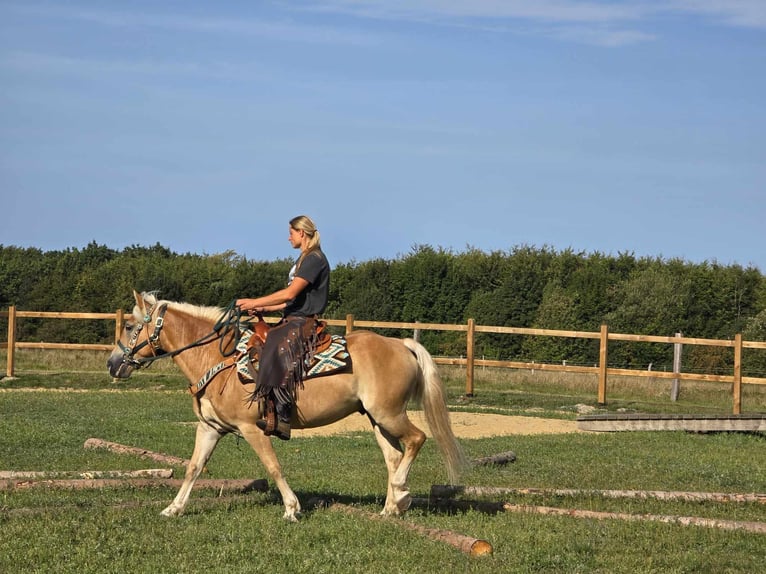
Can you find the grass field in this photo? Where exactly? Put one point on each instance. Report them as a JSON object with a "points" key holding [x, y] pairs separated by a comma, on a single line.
{"points": [[56, 403]]}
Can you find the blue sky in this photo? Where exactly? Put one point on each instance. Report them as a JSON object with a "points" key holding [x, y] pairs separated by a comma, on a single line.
{"points": [[599, 126]]}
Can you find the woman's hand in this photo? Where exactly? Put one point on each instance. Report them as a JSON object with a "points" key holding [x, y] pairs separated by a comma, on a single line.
{"points": [[247, 305]]}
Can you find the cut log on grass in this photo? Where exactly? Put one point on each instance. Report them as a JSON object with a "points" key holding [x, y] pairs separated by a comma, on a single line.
{"points": [[446, 491], [500, 458], [142, 452], [449, 505], [466, 544], [759, 527], [144, 473], [223, 485]]}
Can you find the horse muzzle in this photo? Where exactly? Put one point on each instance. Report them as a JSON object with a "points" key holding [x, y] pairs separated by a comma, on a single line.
{"points": [[118, 367]]}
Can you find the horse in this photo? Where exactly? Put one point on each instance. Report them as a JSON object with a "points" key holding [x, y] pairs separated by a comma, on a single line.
{"points": [[385, 375]]}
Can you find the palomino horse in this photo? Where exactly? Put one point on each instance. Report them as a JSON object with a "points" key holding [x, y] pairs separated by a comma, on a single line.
{"points": [[386, 374]]}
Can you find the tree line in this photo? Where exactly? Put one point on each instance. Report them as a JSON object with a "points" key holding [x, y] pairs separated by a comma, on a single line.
{"points": [[525, 286]]}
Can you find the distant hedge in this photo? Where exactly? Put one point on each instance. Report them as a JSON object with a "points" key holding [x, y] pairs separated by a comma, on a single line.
{"points": [[525, 286]]}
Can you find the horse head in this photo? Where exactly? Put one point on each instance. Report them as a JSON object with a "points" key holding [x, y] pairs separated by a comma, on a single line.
{"points": [[136, 346], [139, 344]]}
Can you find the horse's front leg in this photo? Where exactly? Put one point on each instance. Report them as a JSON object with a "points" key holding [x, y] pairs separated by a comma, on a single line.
{"points": [[204, 444], [264, 449]]}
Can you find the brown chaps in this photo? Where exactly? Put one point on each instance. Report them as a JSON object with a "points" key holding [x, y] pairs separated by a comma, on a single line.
{"points": [[283, 363]]}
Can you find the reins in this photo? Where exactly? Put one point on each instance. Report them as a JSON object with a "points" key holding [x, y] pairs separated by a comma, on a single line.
{"points": [[229, 322]]}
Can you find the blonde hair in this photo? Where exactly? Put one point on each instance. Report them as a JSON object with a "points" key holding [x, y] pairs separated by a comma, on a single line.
{"points": [[304, 223]]}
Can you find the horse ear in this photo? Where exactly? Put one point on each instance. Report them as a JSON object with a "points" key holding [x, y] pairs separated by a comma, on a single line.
{"points": [[140, 302]]}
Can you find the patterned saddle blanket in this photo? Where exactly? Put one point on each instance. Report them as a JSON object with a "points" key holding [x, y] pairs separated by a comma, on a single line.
{"points": [[332, 359]]}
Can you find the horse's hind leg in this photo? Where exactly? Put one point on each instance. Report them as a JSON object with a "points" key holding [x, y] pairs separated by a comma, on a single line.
{"points": [[205, 442], [391, 435]]}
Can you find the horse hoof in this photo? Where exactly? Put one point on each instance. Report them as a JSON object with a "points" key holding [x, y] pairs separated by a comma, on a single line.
{"points": [[404, 504], [170, 512], [390, 512]]}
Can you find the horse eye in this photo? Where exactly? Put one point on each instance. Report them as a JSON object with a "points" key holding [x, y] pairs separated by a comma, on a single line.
{"points": [[128, 327]]}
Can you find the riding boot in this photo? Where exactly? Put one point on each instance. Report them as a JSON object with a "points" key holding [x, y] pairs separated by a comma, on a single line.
{"points": [[284, 414]]}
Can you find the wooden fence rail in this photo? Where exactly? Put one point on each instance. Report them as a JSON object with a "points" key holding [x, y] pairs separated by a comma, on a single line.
{"points": [[602, 371]]}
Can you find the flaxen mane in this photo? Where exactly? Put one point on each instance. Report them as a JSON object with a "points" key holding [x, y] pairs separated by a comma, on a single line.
{"points": [[198, 311]]}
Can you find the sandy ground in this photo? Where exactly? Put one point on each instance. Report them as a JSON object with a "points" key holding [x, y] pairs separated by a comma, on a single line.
{"points": [[464, 425]]}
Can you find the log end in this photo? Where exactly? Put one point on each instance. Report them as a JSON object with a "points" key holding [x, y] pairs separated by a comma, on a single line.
{"points": [[481, 548]]}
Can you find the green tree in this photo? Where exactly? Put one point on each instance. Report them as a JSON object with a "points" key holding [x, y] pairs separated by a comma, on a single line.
{"points": [[525, 287], [363, 290], [513, 302], [559, 311], [653, 301]]}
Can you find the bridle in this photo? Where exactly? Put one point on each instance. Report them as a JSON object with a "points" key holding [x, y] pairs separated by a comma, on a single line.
{"points": [[228, 321], [153, 340]]}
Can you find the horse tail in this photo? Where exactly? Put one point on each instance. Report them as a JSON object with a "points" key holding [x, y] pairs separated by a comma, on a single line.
{"points": [[430, 393]]}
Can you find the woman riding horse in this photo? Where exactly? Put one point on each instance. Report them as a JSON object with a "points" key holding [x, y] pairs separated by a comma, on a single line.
{"points": [[387, 375], [281, 362]]}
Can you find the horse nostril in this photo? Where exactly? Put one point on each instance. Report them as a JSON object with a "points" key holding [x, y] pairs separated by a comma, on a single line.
{"points": [[115, 365]]}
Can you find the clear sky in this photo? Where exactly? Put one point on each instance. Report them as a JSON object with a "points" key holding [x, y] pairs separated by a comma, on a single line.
{"points": [[600, 126]]}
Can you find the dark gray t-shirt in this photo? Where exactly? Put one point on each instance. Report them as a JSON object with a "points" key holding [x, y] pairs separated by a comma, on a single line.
{"points": [[313, 299]]}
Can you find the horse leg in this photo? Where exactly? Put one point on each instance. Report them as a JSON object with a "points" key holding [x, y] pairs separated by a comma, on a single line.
{"points": [[205, 442], [392, 454], [265, 450], [391, 436]]}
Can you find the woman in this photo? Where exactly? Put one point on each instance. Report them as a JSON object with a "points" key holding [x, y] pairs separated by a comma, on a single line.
{"points": [[281, 362]]}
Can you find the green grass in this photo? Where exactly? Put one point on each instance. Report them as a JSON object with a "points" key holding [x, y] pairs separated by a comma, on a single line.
{"points": [[560, 393], [47, 413]]}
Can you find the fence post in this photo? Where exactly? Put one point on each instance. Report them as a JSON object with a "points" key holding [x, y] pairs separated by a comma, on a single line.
{"points": [[675, 387], [602, 362], [349, 323], [469, 358], [119, 320], [737, 391], [11, 340]]}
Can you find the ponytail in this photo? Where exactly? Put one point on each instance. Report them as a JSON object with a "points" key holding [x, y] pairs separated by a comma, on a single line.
{"points": [[304, 223]]}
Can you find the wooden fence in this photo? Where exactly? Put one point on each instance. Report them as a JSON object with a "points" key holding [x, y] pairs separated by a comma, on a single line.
{"points": [[602, 370]]}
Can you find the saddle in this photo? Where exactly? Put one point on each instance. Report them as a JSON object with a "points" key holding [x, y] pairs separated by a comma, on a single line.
{"points": [[328, 353], [314, 332]]}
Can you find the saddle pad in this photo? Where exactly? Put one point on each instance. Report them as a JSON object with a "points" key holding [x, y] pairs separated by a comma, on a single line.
{"points": [[332, 359]]}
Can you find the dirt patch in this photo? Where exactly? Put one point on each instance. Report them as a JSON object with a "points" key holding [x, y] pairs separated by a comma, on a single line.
{"points": [[464, 425]]}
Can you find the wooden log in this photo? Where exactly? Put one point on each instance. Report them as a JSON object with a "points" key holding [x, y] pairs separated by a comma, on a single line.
{"points": [[466, 544], [141, 452], [498, 507], [500, 458], [199, 501], [238, 485], [758, 527], [89, 474], [446, 491]]}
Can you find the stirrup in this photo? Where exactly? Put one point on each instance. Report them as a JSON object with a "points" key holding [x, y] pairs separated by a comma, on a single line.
{"points": [[281, 430], [268, 423]]}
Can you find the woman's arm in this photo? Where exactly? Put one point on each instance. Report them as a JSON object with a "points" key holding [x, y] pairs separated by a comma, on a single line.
{"points": [[275, 301]]}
